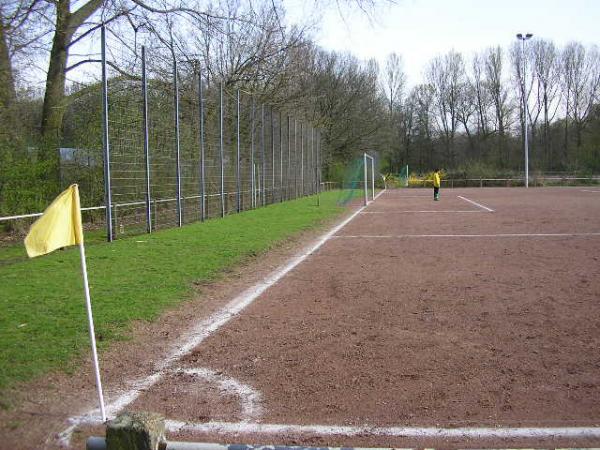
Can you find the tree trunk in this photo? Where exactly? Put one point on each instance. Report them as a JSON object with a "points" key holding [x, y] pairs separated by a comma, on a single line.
{"points": [[547, 148], [54, 107], [7, 83]]}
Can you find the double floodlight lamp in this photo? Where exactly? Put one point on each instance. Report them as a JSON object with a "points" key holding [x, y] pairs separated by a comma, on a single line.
{"points": [[527, 36]]}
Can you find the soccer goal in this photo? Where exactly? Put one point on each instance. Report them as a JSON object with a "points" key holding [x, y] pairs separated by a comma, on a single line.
{"points": [[366, 160]]}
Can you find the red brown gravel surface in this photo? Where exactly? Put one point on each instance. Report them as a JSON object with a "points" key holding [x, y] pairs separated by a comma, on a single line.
{"points": [[496, 331], [485, 326]]}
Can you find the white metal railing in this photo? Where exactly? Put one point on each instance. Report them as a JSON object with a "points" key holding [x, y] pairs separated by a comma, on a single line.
{"points": [[154, 202], [507, 181]]}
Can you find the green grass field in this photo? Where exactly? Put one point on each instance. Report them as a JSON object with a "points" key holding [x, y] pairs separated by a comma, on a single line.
{"points": [[43, 323]]}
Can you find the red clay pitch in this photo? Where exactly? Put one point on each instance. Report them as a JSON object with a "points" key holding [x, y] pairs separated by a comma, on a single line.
{"points": [[494, 321]]}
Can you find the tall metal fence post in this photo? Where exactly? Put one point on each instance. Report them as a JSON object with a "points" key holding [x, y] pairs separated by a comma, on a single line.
{"points": [[177, 145], [106, 141], [258, 188], [253, 178], [272, 157], [252, 169], [237, 169], [146, 141], [221, 150], [313, 167], [318, 168], [262, 155], [302, 159], [280, 161], [295, 158], [288, 175], [202, 149]]}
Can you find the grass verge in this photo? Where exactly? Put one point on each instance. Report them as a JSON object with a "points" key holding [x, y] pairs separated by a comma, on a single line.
{"points": [[43, 325]]}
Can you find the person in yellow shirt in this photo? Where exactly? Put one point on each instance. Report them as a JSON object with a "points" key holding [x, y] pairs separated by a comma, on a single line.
{"points": [[436, 184]]}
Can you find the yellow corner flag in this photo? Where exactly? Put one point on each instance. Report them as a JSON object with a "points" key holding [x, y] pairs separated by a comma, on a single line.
{"points": [[59, 226]]}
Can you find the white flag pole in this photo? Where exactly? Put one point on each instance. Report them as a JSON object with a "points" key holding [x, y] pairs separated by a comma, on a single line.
{"points": [[88, 305]]}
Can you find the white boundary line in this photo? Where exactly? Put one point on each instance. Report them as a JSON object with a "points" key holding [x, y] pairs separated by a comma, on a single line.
{"points": [[504, 235], [201, 331], [411, 432], [475, 203], [589, 190], [423, 211], [250, 399], [412, 196]]}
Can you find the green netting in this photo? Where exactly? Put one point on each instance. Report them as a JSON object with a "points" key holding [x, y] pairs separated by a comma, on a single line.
{"points": [[352, 184], [403, 176]]}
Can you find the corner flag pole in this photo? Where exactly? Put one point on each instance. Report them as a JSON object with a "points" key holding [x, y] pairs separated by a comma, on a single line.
{"points": [[88, 305], [60, 226]]}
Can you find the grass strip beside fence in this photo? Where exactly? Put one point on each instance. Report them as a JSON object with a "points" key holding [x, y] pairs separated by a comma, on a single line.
{"points": [[43, 324]]}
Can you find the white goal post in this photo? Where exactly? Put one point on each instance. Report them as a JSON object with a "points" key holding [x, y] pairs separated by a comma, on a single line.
{"points": [[366, 159]]}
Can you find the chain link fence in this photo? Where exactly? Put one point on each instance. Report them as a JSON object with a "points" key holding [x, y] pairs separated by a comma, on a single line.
{"points": [[173, 146]]}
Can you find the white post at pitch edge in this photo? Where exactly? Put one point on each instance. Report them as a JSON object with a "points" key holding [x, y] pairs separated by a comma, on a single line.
{"points": [[372, 178], [88, 305], [365, 176]]}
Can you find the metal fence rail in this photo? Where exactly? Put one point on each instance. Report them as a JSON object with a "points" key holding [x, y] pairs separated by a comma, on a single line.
{"points": [[325, 186]]}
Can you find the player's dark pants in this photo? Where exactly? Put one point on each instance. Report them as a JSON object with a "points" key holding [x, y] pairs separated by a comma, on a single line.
{"points": [[436, 192]]}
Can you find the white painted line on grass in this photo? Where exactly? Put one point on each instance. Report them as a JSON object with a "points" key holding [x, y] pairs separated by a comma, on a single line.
{"points": [[204, 329], [475, 203], [410, 432], [503, 235], [423, 211]]}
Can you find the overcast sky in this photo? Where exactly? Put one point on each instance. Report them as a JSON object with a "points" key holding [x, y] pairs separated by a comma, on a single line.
{"points": [[419, 30]]}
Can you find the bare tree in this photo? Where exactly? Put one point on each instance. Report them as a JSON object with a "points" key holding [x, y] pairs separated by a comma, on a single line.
{"points": [[24, 29], [482, 95], [393, 80], [546, 72], [498, 92], [467, 111], [446, 76], [422, 97], [581, 81]]}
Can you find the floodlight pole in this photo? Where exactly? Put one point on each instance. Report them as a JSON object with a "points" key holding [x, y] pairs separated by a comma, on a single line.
{"points": [[525, 140]]}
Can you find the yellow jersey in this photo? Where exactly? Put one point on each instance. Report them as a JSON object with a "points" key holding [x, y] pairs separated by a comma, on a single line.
{"points": [[436, 180]]}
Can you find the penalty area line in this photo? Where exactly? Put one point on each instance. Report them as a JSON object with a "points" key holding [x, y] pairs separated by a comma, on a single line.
{"points": [[421, 211], [505, 235], [475, 203], [410, 432]]}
